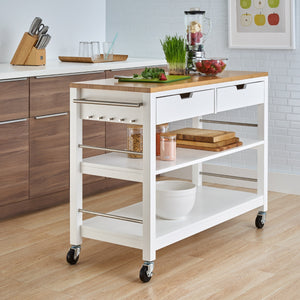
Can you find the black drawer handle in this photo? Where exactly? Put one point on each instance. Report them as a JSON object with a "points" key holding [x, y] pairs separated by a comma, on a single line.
{"points": [[241, 86], [186, 95]]}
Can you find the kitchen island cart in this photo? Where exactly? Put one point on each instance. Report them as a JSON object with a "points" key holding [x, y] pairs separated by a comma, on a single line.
{"points": [[151, 104]]}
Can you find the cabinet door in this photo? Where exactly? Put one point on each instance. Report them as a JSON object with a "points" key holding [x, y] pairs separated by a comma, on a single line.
{"points": [[49, 95], [14, 99], [14, 159], [49, 154]]}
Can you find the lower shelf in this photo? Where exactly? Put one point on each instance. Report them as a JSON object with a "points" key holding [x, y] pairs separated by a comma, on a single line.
{"points": [[213, 206]]}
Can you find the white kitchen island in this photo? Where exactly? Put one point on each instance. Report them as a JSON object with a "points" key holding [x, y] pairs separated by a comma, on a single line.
{"points": [[150, 104]]}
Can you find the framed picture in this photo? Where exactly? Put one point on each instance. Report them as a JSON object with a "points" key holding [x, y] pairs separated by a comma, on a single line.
{"points": [[261, 24]]}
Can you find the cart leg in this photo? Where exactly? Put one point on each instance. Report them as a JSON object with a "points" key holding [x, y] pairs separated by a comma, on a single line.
{"points": [[197, 169], [149, 184], [262, 159], [75, 172], [262, 153]]}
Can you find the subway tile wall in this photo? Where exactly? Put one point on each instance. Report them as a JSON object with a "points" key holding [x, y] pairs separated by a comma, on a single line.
{"points": [[141, 25]]}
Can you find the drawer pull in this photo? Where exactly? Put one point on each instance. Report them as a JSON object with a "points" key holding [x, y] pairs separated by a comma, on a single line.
{"points": [[13, 121], [241, 86], [186, 95], [68, 74], [51, 116], [13, 79]]}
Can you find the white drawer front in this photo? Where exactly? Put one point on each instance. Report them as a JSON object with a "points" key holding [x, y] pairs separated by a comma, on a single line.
{"points": [[184, 106], [238, 96]]}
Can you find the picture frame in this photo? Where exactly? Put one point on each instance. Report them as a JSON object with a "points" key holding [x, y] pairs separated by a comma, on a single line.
{"points": [[261, 24]]}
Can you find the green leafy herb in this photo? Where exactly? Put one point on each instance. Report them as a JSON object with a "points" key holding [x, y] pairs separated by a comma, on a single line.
{"points": [[135, 75], [152, 73], [175, 51]]}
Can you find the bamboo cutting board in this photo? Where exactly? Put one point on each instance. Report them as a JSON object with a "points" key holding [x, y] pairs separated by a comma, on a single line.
{"points": [[207, 145], [203, 135], [217, 149]]}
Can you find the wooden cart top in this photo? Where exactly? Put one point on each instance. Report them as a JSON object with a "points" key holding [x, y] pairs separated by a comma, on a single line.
{"points": [[195, 80]]}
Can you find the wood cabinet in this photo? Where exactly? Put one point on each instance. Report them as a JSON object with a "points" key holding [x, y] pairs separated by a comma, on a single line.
{"points": [[49, 154], [14, 99], [49, 134], [14, 158], [14, 149]]}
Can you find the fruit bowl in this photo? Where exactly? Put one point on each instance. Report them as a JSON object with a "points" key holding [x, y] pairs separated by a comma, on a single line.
{"points": [[211, 66]]}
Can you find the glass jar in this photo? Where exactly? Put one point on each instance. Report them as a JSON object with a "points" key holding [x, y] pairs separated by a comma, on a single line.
{"points": [[162, 128], [167, 146], [135, 140]]}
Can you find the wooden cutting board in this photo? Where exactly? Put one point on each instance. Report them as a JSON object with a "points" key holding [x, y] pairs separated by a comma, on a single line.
{"points": [[203, 135], [208, 145], [217, 149]]}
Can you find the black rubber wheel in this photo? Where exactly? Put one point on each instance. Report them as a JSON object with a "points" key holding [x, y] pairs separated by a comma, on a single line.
{"points": [[143, 274], [70, 257], [258, 222]]}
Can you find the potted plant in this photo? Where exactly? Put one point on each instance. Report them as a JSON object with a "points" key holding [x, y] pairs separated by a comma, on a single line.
{"points": [[175, 53]]}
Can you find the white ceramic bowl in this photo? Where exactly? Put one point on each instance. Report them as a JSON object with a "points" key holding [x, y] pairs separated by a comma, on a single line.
{"points": [[174, 198]]}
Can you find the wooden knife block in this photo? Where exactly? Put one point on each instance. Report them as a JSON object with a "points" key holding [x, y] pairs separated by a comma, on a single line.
{"points": [[26, 54]]}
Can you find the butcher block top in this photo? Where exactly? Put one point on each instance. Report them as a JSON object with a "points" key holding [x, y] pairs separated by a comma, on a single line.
{"points": [[196, 80]]}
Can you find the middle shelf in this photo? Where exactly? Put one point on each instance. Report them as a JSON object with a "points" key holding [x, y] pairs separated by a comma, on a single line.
{"points": [[118, 165]]}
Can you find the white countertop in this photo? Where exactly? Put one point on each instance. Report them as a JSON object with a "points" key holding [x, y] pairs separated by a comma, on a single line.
{"points": [[8, 71]]}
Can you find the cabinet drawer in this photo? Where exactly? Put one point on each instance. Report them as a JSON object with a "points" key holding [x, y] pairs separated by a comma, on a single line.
{"points": [[241, 95], [184, 106], [50, 95], [14, 99]]}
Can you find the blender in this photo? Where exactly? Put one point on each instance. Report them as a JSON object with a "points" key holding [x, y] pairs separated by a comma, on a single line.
{"points": [[197, 30]]}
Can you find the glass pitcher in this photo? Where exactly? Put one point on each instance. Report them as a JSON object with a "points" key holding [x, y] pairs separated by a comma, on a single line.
{"points": [[197, 28]]}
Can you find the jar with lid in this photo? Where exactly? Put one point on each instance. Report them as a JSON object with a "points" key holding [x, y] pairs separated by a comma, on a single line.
{"points": [[162, 128], [135, 140], [168, 146]]}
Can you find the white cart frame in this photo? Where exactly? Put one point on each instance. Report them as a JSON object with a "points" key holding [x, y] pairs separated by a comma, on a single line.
{"points": [[148, 105]]}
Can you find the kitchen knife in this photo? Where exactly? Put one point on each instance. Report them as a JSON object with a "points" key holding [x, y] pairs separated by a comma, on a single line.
{"points": [[44, 30], [35, 25], [46, 41]]}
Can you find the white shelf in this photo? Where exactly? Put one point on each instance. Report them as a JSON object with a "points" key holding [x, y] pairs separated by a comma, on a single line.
{"points": [[213, 206], [117, 165]]}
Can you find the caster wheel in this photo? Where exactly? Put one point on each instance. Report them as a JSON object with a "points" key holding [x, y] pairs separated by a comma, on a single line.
{"points": [[259, 222], [144, 277], [72, 256]]}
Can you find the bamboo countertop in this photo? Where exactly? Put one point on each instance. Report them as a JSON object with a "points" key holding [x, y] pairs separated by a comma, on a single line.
{"points": [[195, 80]]}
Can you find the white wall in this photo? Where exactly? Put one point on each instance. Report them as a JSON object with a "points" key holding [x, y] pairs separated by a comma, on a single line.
{"points": [[69, 20], [141, 24]]}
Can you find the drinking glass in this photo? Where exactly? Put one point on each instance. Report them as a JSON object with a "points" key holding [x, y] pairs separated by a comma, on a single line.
{"points": [[108, 51], [84, 49], [95, 50]]}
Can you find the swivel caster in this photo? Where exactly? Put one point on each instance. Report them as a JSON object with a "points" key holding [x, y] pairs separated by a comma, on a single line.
{"points": [[146, 271], [73, 255], [260, 219]]}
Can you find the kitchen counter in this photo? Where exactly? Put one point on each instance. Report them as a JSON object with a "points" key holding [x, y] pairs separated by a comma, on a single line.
{"points": [[55, 67]]}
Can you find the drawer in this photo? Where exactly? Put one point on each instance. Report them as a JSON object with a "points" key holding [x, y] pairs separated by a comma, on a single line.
{"points": [[14, 99], [184, 106], [241, 95], [51, 94]]}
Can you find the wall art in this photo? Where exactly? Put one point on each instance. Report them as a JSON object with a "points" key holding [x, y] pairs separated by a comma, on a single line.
{"points": [[261, 24]]}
